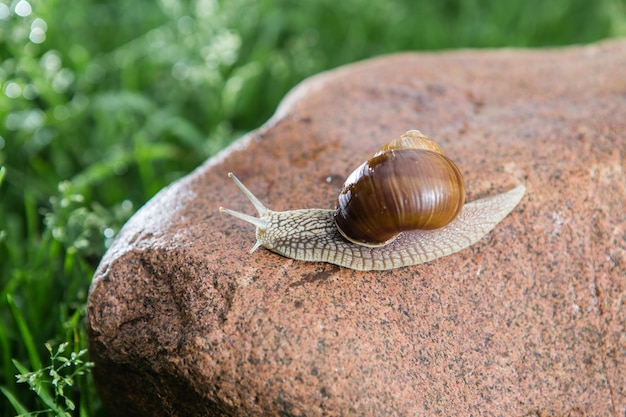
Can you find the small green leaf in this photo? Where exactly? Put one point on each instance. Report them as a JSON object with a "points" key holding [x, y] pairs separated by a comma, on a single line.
{"points": [[36, 385], [62, 347], [69, 404]]}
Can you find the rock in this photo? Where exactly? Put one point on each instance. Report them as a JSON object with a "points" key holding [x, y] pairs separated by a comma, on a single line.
{"points": [[530, 321]]}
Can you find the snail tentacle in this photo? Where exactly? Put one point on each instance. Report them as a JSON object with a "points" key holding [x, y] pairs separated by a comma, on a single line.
{"points": [[260, 221]]}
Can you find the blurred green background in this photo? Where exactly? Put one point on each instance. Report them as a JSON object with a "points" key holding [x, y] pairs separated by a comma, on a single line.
{"points": [[103, 103]]}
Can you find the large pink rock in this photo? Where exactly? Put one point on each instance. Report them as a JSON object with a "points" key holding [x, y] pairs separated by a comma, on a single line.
{"points": [[530, 321]]}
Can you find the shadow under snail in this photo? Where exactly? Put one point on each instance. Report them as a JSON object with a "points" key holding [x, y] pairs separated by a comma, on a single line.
{"points": [[404, 206]]}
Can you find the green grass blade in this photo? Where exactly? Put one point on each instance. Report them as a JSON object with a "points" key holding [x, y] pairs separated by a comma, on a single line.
{"points": [[27, 337], [5, 363], [32, 215], [3, 172], [17, 405]]}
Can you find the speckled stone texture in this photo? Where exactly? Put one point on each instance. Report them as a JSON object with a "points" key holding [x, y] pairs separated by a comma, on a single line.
{"points": [[530, 321]]}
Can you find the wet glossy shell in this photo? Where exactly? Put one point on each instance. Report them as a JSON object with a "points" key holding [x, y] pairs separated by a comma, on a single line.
{"points": [[413, 139], [399, 190]]}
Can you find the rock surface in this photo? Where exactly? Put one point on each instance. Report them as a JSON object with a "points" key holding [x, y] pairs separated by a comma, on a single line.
{"points": [[530, 321]]}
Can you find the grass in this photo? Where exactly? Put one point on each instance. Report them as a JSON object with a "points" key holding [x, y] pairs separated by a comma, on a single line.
{"points": [[104, 103]]}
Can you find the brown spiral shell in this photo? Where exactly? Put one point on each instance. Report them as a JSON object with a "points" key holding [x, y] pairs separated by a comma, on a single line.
{"points": [[408, 184]]}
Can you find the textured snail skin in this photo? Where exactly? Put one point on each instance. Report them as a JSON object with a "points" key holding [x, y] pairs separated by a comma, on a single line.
{"points": [[311, 235]]}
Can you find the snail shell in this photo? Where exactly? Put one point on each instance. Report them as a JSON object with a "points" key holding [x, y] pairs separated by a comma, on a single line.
{"points": [[409, 184], [314, 234]]}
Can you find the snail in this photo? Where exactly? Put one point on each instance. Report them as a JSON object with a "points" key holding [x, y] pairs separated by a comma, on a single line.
{"points": [[404, 206]]}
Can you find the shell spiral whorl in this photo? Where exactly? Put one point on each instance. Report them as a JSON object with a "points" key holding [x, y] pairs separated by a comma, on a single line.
{"points": [[408, 184]]}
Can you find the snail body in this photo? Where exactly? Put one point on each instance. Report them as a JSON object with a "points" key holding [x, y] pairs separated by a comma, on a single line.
{"points": [[402, 207]]}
